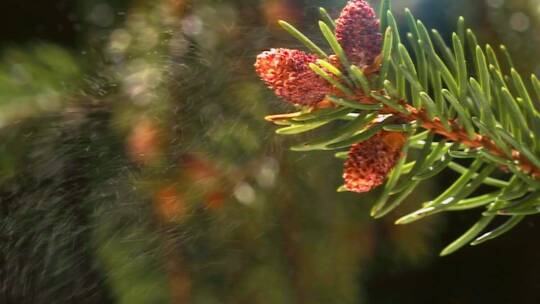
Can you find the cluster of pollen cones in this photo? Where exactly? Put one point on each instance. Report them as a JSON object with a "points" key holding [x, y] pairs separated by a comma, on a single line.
{"points": [[288, 74]]}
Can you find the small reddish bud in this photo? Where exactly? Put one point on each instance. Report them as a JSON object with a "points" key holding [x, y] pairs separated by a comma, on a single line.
{"points": [[357, 30], [287, 72], [370, 162]]}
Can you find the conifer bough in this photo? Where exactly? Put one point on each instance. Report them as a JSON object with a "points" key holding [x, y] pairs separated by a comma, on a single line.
{"points": [[407, 114]]}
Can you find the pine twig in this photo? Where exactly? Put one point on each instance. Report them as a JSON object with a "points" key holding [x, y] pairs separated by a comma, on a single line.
{"points": [[458, 134]]}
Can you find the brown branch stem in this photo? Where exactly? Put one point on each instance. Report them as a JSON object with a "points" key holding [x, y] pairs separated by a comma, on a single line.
{"points": [[458, 134]]}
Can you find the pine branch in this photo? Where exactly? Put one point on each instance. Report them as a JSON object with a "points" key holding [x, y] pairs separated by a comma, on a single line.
{"points": [[456, 134], [384, 101]]}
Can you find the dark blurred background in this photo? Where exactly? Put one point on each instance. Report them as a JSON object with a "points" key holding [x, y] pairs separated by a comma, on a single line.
{"points": [[136, 167]]}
